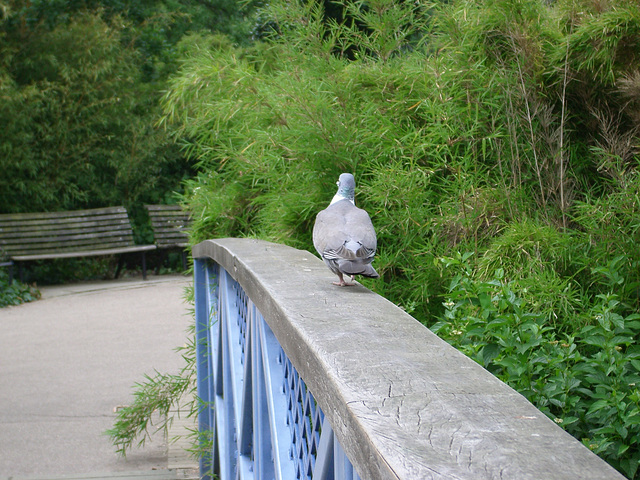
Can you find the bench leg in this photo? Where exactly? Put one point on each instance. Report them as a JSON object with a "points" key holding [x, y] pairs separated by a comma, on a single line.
{"points": [[163, 257], [144, 265], [119, 267]]}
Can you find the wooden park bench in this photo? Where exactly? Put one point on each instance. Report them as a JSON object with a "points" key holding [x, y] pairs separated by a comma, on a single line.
{"points": [[81, 233], [170, 224]]}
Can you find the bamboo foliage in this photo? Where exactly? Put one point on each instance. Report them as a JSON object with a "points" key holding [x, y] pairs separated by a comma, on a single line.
{"points": [[496, 137]]}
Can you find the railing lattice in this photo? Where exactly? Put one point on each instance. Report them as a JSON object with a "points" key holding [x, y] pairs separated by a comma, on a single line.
{"points": [[264, 421]]}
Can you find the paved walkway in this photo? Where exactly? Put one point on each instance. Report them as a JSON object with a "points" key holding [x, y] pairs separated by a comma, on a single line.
{"points": [[69, 359]]}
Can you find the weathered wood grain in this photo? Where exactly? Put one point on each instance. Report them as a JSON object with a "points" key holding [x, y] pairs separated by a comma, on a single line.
{"points": [[402, 402], [170, 223]]}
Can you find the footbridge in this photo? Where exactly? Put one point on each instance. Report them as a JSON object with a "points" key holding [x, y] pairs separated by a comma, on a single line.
{"points": [[301, 379]]}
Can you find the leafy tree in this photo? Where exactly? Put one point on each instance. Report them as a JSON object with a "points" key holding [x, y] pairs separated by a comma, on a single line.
{"points": [[80, 82], [77, 127]]}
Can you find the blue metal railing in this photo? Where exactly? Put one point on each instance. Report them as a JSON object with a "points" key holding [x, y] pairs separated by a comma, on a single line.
{"points": [[264, 421]]}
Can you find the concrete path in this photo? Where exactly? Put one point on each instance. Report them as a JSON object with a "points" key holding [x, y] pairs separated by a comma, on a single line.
{"points": [[68, 360]]}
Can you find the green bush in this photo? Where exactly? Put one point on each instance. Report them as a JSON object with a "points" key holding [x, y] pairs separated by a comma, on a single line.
{"points": [[66, 270], [80, 106], [16, 292], [587, 379]]}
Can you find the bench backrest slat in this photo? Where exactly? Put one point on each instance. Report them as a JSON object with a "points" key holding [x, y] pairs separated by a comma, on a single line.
{"points": [[51, 222], [80, 230], [170, 224]]}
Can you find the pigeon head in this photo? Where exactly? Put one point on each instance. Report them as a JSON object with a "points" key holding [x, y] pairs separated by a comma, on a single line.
{"points": [[346, 188]]}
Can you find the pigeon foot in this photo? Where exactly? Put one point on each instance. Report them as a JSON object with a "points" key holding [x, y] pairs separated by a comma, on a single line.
{"points": [[343, 284]]}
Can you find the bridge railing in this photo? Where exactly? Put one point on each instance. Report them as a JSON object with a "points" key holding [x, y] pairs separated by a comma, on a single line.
{"points": [[305, 380]]}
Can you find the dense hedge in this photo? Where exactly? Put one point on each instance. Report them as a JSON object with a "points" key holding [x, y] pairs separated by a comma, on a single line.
{"points": [[495, 147]]}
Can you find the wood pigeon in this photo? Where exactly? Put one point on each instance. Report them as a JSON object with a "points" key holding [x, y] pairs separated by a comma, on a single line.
{"points": [[344, 235]]}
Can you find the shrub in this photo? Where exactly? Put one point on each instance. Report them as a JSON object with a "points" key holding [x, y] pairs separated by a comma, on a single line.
{"points": [[586, 379], [487, 129], [16, 293]]}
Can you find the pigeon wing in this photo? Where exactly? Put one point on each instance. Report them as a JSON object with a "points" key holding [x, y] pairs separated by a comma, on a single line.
{"points": [[360, 229], [341, 226]]}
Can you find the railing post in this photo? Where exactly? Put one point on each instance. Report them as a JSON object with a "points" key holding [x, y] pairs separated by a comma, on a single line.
{"points": [[204, 298]]}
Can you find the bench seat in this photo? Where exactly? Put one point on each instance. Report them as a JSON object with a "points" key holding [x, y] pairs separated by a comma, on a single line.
{"points": [[87, 253]]}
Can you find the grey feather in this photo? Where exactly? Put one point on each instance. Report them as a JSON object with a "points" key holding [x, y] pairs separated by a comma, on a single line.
{"points": [[344, 236]]}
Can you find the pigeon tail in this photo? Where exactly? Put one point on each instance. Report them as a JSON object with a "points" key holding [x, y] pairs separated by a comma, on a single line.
{"points": [[350, 250], [357, 268]]}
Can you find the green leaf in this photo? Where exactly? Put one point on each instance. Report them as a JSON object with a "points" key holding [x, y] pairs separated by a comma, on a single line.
{"points": [[598, 405], [489, 353], [595, 340], [622, 449]]}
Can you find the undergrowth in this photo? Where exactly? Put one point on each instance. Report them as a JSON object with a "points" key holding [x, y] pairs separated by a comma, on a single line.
{"points": [[586, 379], [15, 293]]}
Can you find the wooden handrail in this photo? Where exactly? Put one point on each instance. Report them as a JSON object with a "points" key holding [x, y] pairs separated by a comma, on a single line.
{"points": [[401, 402]]}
